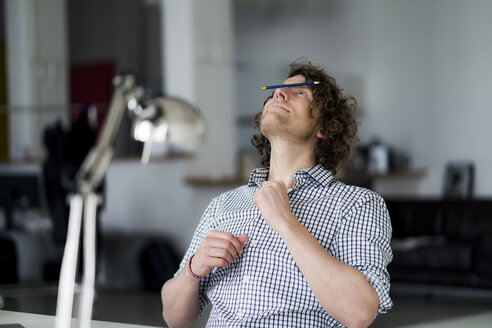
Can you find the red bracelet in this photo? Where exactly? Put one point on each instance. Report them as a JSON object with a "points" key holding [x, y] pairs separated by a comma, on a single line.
{"points": [[191, 272]]}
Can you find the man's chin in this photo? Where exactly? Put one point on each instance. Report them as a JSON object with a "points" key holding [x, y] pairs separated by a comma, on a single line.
{"points": [[273, 127]]}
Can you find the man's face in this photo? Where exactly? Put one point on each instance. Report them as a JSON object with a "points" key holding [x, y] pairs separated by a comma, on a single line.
{"points": [[287, 113]]}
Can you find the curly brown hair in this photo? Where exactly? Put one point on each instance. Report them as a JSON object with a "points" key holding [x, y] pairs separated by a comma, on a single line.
{"points": [[335, 119]]}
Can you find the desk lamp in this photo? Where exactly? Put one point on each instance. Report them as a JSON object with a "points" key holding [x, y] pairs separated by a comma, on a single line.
{"points": [[159, 119]]}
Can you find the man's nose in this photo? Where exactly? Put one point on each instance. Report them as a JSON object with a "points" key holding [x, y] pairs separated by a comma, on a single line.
{"points": [[281, 93]]}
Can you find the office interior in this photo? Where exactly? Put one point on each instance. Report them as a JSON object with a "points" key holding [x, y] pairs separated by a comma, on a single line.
{"points": [[420, 71]]}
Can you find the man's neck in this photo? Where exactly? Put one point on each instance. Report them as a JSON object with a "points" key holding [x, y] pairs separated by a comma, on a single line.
{"points": [[286, 159]]}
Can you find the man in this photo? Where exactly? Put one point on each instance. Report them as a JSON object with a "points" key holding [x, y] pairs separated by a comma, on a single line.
{"points": [[294, 247]]}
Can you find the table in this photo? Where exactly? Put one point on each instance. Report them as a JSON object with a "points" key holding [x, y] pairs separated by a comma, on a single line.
{"points": [[31, 320]]}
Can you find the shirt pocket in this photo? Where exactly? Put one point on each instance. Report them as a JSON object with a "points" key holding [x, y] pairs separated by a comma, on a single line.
{"points": [[235, 222]]}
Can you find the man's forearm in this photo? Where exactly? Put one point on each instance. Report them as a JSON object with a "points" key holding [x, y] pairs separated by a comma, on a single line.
{"points": [[180, 300], [341, 290]]}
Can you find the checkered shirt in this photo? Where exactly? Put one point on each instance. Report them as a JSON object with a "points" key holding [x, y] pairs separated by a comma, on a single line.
{"points": [[264, 287]]}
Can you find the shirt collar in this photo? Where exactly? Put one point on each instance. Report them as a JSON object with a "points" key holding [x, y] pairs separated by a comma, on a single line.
{"points": [[258, 176], [320, 174], [317, 172]]}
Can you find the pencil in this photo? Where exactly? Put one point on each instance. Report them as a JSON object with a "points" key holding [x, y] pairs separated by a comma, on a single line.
{"points": [[288, 85]]}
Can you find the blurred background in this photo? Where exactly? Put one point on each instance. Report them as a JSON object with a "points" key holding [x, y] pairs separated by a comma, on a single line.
{"points": [[420, 71]]}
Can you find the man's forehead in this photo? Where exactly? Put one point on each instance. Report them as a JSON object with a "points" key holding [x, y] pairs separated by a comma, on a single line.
{"points": [[295, 79]]}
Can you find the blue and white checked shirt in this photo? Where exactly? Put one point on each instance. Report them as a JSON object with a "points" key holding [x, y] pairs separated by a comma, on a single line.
{"points": [[264, 287]]}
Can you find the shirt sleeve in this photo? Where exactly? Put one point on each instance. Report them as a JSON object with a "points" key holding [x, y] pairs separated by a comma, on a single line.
{"points": [[363, 242], [201, 231]]}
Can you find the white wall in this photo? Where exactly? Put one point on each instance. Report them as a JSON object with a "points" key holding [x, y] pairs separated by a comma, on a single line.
{"points": [[199, 67], [153, 199], [36, 42], [148, 199], [420, 69]]}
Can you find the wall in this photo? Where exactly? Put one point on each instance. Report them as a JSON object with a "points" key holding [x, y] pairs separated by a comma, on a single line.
{"points": [[198, 67], [37, 77], [419, 69], [154, 200]]}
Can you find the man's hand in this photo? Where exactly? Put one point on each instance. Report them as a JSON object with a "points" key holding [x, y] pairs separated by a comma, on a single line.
{"points": [[217, 249], [272, 201]]}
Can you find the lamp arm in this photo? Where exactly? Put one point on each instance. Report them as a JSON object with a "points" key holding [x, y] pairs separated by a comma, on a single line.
{"points": [[95, 164]]}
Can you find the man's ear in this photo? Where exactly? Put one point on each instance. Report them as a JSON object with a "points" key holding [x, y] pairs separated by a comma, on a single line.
{"points": [[319, 135]]}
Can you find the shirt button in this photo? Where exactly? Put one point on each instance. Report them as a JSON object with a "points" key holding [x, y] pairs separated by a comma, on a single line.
{"points": [[254, 242], [246, 278], [240, 314]]}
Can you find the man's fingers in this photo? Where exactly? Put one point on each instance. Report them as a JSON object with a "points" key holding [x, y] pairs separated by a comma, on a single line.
{"points": [[275, 183], [242, 238], [217, 249], [221, 254], [229, 239], [222, 244]]}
